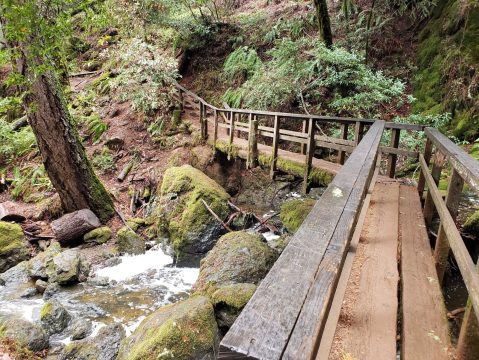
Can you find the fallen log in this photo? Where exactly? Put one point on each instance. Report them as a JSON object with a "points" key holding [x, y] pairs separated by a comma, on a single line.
{"points": [[8, 212], [126, 170], [73, 226], [216, 216], [18, 124]]}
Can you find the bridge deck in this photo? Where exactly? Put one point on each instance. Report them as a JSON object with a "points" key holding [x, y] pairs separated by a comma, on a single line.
{"points": [[393, 245]]}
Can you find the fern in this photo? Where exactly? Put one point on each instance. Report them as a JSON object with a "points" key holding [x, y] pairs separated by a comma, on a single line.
{"points": [[96, 127], [241, 64]]}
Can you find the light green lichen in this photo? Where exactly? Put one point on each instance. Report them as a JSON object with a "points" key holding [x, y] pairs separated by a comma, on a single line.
{"points": [[99, 235], [294, 212], [11, 238]]}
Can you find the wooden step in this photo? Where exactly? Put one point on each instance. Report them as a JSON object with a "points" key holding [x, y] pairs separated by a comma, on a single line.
{"points": [[425, 332], [367, 324]]}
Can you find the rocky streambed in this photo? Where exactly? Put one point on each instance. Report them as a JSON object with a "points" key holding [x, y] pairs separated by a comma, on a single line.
{"points": [[139, 292]]}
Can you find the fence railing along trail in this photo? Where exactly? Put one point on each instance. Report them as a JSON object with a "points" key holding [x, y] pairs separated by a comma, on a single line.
{"points": [[287, 314]]}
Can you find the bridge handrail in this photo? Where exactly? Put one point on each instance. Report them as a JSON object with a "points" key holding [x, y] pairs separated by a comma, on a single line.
{"points": [[287, 313], [338, 119], [465, 169]]}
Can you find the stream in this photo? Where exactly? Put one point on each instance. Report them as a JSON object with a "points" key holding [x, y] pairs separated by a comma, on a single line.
{"points": [[124, 292]]}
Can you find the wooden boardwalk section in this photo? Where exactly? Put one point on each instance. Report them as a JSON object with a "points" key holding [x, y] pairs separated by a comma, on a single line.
{"points": [[359, 279]]}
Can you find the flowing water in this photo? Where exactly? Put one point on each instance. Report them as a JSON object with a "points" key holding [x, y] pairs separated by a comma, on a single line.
{"points": [[125, 292]]}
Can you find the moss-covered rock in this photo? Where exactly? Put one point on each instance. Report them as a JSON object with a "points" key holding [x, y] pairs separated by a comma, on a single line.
{"points": [[238, 257], [13, 247], [136, 223], [294, 212], [228, 302], [471, 225], [98, 236], [448, 66], [65, 268], [129, 242], [183, 331], [54, 317], [25, 333], [38, 265], [183, 216], [104, 346]]}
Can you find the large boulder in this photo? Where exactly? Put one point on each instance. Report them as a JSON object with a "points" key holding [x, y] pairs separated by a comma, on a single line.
{"points": [[65, 268], [229, 300], [98, 236], [54, 317], [184, 217], [183, 331], [103, 346], [25, 333], [294, 212], [13, 246], [38, 265], [238, 257], [129, 242], [15, 275]]}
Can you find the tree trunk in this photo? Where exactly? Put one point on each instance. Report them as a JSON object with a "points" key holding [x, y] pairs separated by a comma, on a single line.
{"points": [[63, 154], [324, 23]]}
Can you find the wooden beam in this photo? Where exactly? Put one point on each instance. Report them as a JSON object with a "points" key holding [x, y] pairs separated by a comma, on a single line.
{"points": [[437, 166], [453, 197], [310, 148], [305, 131], [427, 157], [462, 162], [392, 158], [344, 136], [274, 155], [461, 254], [358, 132], [286, 315], [215, 129], [232, 127]]}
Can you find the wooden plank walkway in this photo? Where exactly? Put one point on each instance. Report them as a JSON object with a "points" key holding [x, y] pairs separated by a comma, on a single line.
{"points": [[367, 323]]}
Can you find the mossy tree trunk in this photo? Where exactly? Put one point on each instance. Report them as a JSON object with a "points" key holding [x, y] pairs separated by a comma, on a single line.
{"points": [[62, 151], [324, 22], [63, 154]]}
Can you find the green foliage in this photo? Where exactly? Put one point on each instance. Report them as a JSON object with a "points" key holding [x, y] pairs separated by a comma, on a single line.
{"points": [[156, 127], [334, 80], [96, 127], [104, 161], [14, 144], [147, 77], [27, 181], [241, 64], [10, 104]]}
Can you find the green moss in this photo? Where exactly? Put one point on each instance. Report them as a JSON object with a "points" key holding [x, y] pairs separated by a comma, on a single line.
{"points": [[135, 223], [448, 63], [229, 149], [233, 295], [99, 235], [182, 331], [187, 217], [238, 257], [11, 238], [46, 311], [129, 242], [294, 212], [471, 225]]}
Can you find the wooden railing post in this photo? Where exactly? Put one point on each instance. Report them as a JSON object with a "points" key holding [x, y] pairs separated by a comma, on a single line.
{"points": [[274, 154], [358, 132], [205, 122], [310, 148], [305, 128], [215, 130], [427, 156], [441, 250], [344, 136], [202, 125], [428, 210], [468, 343], [232, 127], [392, 158], [252, 142]]}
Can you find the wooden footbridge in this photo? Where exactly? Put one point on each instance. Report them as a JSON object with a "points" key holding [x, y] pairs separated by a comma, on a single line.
{"points": [[359, 279]]}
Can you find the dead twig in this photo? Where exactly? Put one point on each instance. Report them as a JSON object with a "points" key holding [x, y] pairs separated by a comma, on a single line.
{"points": [[266, 220], [216, 216]]}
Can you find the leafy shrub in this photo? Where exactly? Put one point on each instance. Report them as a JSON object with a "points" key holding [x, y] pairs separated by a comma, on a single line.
{"points": [[147, 77], [14, 144], [334, 80], [104, 161], [27, 181], [241, 64], [96, 127]]}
